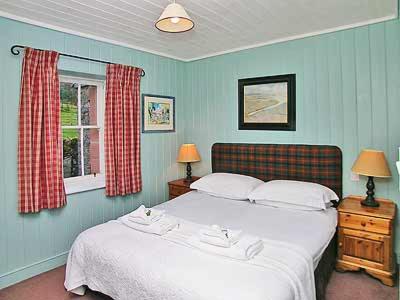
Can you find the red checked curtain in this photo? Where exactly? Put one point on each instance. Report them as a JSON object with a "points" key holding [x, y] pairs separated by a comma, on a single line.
{"points": [[40, 175], [122, 130]]}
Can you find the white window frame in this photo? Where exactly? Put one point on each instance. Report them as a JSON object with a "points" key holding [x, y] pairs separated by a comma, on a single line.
{"points": [[88, 182]]}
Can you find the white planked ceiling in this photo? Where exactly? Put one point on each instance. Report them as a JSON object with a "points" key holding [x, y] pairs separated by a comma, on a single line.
{"points": [[221, 26]]}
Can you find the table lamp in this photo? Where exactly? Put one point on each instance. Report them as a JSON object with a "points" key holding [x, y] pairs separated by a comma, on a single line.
{"points": [[371, 163], [188, 154]]}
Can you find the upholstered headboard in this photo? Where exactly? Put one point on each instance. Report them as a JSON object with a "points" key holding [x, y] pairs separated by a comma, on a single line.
{"points": [[312, 163]]}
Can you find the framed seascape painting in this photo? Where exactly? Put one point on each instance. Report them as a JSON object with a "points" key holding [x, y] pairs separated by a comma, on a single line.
{"points": [[158, 113], [267, 103]]}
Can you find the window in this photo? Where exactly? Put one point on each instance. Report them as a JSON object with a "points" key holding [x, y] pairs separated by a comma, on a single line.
{"points": [[82, 133]]}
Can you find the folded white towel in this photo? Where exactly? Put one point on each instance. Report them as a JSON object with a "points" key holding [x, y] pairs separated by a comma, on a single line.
{"points": [[145, 216], [217, 236], [246, 248], [160, 227]]}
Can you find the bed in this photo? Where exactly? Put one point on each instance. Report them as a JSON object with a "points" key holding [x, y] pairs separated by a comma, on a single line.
{"points": [[126, 264]]}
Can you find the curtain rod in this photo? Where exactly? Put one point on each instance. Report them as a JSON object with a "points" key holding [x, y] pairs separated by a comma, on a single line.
{"points": [[15, 51]]}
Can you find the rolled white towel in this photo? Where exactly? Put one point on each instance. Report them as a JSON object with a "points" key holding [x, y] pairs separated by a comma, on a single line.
{"points": [[217, 236], [246, 248], [145, 216], [160, 227]]}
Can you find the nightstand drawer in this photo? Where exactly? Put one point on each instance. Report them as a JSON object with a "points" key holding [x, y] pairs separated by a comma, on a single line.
{"points": [[365, 223], [178, 190]]}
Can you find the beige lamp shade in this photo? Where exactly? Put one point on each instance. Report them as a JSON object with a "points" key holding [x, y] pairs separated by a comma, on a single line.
{"points": [[174, 19], [188, 153], [371, 163]]}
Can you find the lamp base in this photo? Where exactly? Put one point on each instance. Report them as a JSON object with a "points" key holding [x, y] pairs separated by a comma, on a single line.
{"points": [[369, 203], [188, 178], [370, 199]]}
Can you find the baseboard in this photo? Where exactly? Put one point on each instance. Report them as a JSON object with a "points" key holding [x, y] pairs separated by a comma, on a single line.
{"points": [[31, 270]]}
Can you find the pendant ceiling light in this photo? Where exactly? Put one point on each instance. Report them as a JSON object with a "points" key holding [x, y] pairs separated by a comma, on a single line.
{"points": [[174, 19]]}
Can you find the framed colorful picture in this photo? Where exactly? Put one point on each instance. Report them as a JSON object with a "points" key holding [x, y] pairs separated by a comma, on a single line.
{"points": [[267, 103], [158, 113]]}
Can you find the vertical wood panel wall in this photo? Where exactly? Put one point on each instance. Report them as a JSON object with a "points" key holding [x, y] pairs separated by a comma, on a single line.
{"points": [[348, 94], [33, 243]]}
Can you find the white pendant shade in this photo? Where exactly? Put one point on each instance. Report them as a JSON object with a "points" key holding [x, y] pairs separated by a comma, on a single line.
{"points": [[174, 19]]}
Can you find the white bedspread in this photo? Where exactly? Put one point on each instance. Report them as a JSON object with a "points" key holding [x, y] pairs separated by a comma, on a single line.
{"points": [[312, 230], [127, 264]]}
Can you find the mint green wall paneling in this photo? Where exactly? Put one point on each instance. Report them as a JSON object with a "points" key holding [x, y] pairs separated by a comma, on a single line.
{"points": [[34, 243], [179, 114], [202, 108], [350, 117], [228, 75], [310, 94], [188, 95], [216, 107], [335, 90], [324, 114], [363, 76], [79, 47], [197, 117], [379, 95], [213, 111], [11, 96], [167, 138], [95, 52], [294, 64], [180, 111]]}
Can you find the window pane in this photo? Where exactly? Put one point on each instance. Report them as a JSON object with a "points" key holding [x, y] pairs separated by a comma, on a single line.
{"points": [[91, 151], [69, 104], [89, 104], [71, 153]]}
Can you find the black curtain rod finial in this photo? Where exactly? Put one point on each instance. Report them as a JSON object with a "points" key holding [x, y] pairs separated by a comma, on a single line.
{"points": [[16, 51]]}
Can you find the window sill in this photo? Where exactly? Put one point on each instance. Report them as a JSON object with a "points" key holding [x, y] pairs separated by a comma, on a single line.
{"points": [[84, 183]]}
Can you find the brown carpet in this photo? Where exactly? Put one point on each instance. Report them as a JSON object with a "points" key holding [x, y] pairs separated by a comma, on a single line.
{"points": [[49, 286]]}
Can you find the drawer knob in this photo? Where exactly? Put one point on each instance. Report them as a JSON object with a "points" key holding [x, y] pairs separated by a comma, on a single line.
{"points": [[363, 223], [340, 244]]}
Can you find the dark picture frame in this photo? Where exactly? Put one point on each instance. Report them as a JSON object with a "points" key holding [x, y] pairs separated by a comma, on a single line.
{"points": [[267, 112], [159, 121]]}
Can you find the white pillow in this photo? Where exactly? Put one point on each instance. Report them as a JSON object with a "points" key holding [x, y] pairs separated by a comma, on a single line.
{"points": [[294, 192], [227, 185]]}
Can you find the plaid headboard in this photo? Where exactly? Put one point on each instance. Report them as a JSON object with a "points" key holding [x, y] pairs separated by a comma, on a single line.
{"points": [[312, 163]]}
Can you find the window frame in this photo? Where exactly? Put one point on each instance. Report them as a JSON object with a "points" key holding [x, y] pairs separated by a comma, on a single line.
{"points": [[83, 183]]}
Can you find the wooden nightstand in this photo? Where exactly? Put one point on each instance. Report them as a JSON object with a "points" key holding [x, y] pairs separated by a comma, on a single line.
{"points": [[365, 238], [179, 187]]}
